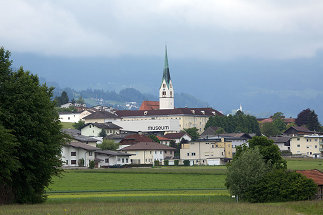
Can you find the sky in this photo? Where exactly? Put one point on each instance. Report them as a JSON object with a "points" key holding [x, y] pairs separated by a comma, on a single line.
{"points": [[266, 55]]}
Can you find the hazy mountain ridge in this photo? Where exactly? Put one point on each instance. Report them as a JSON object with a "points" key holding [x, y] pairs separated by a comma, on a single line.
{"points": [[121, 100]]}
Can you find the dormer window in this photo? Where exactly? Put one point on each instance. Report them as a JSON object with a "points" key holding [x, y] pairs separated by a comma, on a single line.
{"points": [[203, 112], [193, 111], [145, 113], [213, 112]]}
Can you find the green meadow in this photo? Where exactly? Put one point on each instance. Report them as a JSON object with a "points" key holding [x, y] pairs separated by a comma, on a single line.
{"points": [[160, 190]]}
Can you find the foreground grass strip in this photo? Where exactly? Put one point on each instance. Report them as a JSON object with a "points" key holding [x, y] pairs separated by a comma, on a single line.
{"points": [[142, 208], [76, 181]]}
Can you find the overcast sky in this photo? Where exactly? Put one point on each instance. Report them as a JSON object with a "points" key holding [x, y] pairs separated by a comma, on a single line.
{"points": [[265, 54], [197, 29]]}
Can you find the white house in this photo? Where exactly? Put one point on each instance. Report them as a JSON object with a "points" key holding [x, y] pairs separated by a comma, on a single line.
{"points": [[69, 116], [94, 129], [148, 152], [108, 158], [76, 154], [178, 137]]}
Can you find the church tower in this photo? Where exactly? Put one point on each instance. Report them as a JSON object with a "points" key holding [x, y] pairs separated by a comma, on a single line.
{"points": [[166, 91]]}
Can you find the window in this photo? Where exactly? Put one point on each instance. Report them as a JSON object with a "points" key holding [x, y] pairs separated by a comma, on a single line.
{"points": [[222, 153], [66, 162], [161, 152], [73, 153], [298, 145], [298, 138], [216, 145], [118, 159], [316, 146], [188, 154], [122, 160], [73, 161], [126, 160], [212, 146], [193, 154], [150, 152], [155, 152], [164, 85], [315, 140], [106, 160], [171, 93], [164, 93], [90, 153], [68, 118]]}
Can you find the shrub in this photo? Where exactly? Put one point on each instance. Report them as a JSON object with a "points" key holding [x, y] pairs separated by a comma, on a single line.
{"points": [[281, 185], [176, 162], [186, 162], [166, 162], [92, 164], [81, 162], [156, 162]]}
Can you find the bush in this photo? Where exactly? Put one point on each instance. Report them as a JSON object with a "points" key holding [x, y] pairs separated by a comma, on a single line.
{"points": [[176, 162], [166, 162], [281, 185], [156, 162], [81, 162], [92, 164], [186, 162]]}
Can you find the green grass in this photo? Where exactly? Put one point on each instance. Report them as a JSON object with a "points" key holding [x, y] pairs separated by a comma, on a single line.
{"points": [[74, 180], [66, 125], [304, 163], [161, 208]]}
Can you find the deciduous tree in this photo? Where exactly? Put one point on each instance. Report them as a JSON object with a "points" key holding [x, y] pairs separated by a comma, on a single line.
{"points": [[26, 110]]}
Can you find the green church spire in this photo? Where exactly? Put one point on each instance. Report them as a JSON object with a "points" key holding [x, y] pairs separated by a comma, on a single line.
{"points": [[166, 75]]}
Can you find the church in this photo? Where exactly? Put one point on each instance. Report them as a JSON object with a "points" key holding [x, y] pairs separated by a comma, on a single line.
{"points": [[162, 116]]}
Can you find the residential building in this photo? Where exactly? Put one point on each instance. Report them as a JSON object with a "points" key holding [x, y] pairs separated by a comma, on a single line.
{"points": [[148, 152], [164, 140], [132, 139], [101, 117], [283, 142], [178, 137], [76, 135], [298, 130], [307, 145], [77, 154], [69, 116], [317, 177], [94, 129], [108, 158], [214, 151]]}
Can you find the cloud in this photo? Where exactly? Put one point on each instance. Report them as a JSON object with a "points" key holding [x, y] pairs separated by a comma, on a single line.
{"points": [[192, 29]]}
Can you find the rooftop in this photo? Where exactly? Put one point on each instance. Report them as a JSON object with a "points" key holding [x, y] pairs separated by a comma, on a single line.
{"points": [[101, 115], [175, 135], [82, 146], [314, 174], [147, 146], [176, 111], [107, 125], [149, 105]]}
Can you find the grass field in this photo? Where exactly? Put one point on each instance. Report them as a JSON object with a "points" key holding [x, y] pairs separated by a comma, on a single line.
{"points": [[66, 125], [163, 208], [162, 190]]}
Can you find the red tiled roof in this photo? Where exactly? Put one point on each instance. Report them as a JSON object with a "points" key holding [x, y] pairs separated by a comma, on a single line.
{"points": [[314, 174], [176, 111], [135, 138], [149, 105], [175, 135], [147, 146], [162, 138]]}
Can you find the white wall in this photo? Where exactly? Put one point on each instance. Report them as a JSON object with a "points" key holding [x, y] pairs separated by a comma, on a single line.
{"points": [[70, 117], [113, 160], [149, 125], [80, 153]]}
